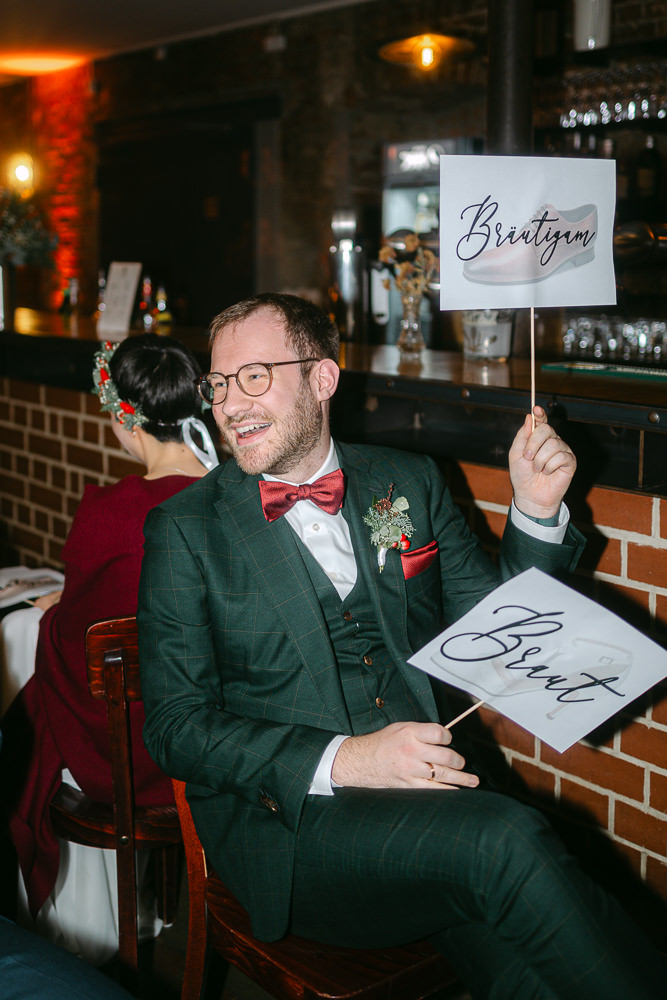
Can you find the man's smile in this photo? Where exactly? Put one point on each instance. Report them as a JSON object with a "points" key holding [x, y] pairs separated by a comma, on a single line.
{"points": [[249, 432]]}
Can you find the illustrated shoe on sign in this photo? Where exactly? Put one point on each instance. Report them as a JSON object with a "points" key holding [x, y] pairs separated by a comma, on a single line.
{"points": [[550, 242]]}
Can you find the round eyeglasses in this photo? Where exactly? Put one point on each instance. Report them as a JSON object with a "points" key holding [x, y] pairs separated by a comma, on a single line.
{"points": [[253, 379]]}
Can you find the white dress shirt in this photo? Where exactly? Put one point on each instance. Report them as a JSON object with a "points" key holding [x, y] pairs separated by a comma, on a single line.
{"points": [[327, 538]]}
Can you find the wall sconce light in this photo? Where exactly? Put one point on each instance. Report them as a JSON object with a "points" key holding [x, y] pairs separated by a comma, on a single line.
{"points": [[21, 174], [427, 51]]}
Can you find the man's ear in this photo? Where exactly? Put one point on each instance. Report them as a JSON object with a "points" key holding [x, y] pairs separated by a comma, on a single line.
{"points": [[325, 379]]}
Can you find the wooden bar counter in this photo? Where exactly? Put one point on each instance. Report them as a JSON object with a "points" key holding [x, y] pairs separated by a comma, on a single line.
{"points": [[443, 403], [453, 407]]}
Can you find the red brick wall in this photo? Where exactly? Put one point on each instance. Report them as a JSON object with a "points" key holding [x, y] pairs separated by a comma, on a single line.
{"points": [[54, 442], [62, 125], [619, 784]]}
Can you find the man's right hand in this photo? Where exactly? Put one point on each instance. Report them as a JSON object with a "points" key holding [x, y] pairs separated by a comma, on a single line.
{"points": [[402, 755]]}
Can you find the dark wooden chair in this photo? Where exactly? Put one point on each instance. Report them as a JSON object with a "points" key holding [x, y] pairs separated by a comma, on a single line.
{"points": [[113, 675], [293, 968]]}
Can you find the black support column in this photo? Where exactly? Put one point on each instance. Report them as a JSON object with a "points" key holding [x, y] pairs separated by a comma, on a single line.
{"points": [[509, 115]]}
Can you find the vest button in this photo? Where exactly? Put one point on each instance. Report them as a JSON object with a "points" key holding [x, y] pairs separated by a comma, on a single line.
{"points": [[379, 702], [368, 660], [347, 615]]}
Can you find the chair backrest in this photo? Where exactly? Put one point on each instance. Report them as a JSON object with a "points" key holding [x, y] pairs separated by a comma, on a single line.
{"points": [[112, 660], [105, 638]]}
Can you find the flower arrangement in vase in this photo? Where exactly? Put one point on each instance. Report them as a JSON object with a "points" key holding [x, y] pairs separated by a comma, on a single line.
{"points": [[413, 267], [24, 239]]}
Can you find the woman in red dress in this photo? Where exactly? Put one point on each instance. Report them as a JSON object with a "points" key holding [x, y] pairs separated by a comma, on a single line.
{"points": [[147, 385]]}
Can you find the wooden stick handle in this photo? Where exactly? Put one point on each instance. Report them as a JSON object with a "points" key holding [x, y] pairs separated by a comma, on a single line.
{"points": [[468, 711], [532, 364]]}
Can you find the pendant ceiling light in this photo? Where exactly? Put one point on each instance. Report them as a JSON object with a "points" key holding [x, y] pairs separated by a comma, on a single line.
{"points": [[425, 51]]}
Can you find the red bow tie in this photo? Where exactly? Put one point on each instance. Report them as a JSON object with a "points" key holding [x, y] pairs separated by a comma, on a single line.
{"points": [[327, 492]]}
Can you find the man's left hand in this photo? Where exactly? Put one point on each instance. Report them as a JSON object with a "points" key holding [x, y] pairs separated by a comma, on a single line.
{"points": [[541, 467]]}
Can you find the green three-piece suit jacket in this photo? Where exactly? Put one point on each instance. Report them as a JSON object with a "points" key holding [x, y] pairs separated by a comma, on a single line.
{"points": [[240, 683]]}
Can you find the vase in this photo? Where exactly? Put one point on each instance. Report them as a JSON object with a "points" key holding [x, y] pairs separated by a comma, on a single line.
{"points": [[487, 334], [411, 341], [8, 300]]}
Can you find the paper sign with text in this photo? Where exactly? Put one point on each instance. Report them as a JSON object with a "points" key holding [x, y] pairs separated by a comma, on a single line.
{"points": [[519, 231], [120, 291], [546, 657]]}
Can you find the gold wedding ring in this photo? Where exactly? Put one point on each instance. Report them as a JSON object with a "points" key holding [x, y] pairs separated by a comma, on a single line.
{"points": [[428, 764]]}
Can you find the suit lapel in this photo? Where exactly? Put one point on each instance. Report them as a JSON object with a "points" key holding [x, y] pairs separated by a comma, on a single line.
{"points": [[365, 480], [272, 551], [362, 485]]}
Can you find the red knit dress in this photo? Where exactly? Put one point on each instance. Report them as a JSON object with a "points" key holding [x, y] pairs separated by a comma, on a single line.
{"points": [[54, 722]]}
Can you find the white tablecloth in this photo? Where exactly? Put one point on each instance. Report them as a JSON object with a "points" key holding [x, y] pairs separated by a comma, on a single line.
{"points": [[18, 634]]}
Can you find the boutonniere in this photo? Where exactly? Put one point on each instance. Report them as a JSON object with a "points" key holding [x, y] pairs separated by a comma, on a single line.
{"points": [[390, 525]]}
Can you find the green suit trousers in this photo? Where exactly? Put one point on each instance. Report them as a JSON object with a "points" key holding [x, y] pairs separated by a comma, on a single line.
{"points": [[482, 875]]}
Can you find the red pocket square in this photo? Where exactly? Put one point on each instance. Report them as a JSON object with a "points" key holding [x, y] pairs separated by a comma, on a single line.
{"points": [[416, 560]]}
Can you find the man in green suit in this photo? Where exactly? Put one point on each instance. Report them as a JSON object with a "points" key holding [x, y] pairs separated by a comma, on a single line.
{"points": [[274, 636]]}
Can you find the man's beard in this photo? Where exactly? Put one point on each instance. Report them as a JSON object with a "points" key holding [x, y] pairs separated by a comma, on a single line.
{"points": [[295, 436]]}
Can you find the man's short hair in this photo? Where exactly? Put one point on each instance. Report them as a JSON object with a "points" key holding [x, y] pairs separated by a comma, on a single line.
{"points": [[308, 329]]}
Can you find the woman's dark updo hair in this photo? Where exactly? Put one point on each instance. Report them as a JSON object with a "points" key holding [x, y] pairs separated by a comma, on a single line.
{"points": [[157, 374]]}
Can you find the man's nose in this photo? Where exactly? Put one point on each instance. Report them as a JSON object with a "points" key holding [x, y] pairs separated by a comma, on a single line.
{"points": [[236, 400]]}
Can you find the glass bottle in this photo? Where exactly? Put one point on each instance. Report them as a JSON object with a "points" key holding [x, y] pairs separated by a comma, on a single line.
{"points": [[74, 295], [143, 318], [648, 171], [161, 314], [70, 300], [101, 293]]}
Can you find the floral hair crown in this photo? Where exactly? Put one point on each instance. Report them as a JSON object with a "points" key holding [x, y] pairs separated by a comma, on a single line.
{"points": [[129, 414]]}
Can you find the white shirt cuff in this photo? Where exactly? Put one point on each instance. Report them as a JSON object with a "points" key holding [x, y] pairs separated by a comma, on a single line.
{"points": [[322, 783], [546, 534]]}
